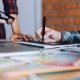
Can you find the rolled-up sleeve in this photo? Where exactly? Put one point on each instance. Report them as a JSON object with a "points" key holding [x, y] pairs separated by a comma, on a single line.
{"points": [[10, 6], [70, 37]]}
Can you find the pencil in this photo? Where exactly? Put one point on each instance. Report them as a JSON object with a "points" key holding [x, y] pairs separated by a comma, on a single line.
{"points": [[43, 28]]}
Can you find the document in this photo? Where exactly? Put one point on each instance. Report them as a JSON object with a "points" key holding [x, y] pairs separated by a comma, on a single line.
{"points": [[46, 45]]}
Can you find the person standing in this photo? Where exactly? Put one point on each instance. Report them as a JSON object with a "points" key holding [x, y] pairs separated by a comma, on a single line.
{"points": [[10, 7]]}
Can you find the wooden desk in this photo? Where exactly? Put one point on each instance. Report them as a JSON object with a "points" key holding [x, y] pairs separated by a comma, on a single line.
{"points": [[73, 75], [61, 76], [23, 71], [44, 73]]}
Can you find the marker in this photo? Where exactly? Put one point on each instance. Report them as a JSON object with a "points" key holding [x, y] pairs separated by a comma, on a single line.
{"points": [[70, 51], [43, 28]]}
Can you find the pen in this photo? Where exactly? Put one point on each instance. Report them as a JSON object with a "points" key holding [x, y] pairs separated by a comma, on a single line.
{"points": [[43, 28], [71, 51]]}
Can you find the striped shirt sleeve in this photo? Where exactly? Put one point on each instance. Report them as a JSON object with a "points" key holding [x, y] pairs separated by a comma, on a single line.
{"points": [[70, 37]]}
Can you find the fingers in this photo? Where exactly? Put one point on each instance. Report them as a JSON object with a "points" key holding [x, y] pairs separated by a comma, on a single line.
{"points": [[39, 31], [24, 38], [12, 37], [52, 36], [19, 37], [29, 37], [50, 40], [40, 39], [16, 37], [49, 33]]}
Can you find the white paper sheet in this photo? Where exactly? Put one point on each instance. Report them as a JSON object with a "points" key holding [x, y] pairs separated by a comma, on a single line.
{"points": [[46, 46]]}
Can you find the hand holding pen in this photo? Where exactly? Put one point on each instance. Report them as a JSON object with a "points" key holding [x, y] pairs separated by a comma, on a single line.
{"points": [[48, 35]]}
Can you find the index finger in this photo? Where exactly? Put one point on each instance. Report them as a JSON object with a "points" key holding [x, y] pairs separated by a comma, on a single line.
{"points": [[38, 32]]}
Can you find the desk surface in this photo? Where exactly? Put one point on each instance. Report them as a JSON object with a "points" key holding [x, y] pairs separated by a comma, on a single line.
{"points": [[8, 48], [25, 70], [71, 75]]}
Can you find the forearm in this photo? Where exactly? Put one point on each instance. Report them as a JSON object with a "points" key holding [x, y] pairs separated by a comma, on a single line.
{"points": [[15, 24], [70, 37], [10, 7]]}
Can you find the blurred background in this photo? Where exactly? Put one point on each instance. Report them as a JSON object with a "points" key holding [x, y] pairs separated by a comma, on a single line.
{"points": [[29, 16], [61, 15]]}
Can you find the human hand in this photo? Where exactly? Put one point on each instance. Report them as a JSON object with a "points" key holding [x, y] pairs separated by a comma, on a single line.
{"points": [[19, 37], [50, 35], [2, 21]]}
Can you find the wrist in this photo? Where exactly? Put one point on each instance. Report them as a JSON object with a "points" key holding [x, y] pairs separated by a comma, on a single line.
{"points": [[59, 36], [17, 32]]}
